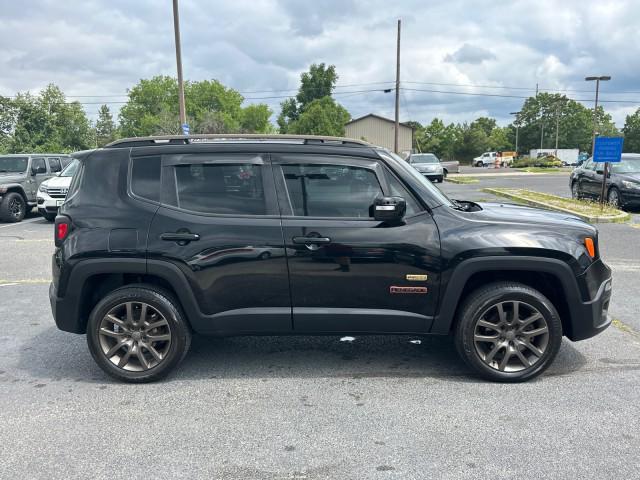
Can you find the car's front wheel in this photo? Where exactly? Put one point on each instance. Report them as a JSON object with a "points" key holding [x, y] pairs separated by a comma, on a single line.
{"points": [[13, 208], [508, 332], [138, 334], [613, 197]]}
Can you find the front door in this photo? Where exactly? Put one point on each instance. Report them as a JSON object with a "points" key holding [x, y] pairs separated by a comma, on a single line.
{"points": [[219, 224], [348, 272]]}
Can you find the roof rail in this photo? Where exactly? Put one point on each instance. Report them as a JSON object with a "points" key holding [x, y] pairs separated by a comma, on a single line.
{"points": [[232, 137]]}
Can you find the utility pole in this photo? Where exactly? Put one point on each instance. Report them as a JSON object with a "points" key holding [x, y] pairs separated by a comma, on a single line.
{"points": [[517, 124], [176, 29], [541, 134], [397, 119], [557, 126]]}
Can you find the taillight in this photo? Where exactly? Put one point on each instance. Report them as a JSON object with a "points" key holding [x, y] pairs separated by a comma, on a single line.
{"points": [[62, 229]]}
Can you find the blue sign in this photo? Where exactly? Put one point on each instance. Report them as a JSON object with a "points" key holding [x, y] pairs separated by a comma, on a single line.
{"points": [[185, 129], [608, 149]]}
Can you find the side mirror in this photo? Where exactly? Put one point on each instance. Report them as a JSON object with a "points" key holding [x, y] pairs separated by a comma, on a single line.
{"points": [[389, 209]]}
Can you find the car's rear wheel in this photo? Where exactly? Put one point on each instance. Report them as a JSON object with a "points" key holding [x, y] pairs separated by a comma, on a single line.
{"points": [[13, 208], [613, 197], [49, 217], [479, 164], [508, 332], [138, 334], [575, 190]]}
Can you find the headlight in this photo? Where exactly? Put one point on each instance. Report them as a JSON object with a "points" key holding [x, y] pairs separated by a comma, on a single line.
{"points": [[42, 188], [3, 189], [630, 185]]}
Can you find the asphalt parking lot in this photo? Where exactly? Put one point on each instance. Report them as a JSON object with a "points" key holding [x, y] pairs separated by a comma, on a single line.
{"points": [[315, 408]]}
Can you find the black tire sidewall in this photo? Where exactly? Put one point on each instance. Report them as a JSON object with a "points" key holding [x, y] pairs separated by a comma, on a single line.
{"points": [[619, 203], [180, 333], [478, 302]]}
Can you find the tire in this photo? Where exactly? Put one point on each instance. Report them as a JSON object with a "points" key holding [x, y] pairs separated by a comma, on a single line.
{"points": [[13, 208], [49, 217], [613, 198], [445, 173], [575, 190], [485, 349], [264, 255], [479, 164], [162, 309]]}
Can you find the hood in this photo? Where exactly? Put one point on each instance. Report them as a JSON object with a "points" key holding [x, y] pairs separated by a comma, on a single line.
{"points": [[58, 182], [506, 212], [630, 177]]}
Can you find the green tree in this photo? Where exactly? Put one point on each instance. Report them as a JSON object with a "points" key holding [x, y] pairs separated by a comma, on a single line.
{"points": [[48, 123], [485, 123], [315, 84], [255, 119], [323, 116], [538, 118], [211, 107], [7, 122], [499, 140], [631, 131], [105, 127]]}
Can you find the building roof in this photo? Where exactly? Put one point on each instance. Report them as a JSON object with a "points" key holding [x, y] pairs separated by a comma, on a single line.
{"points": [[379, 118]]}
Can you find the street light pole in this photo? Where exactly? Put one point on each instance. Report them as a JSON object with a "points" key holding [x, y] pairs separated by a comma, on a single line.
{"points": [[176, 30], [602, 78]]}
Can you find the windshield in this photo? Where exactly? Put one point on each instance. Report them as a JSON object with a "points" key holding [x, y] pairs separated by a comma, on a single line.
{"points": [[626, 166], [424, 158], [417, 176], [70, 169], [13, 164]]}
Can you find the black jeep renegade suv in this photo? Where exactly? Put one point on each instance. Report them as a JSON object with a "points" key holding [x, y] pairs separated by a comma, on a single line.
{"points": [[242, 235]]}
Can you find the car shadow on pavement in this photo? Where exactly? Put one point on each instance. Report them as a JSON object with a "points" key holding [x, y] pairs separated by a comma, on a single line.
{"points": [[58, 356]]}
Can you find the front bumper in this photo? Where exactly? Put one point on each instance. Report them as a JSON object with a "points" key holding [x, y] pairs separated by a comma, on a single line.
{"points": [[630, 197], [432, 175], [48, 204], [591, 316]]}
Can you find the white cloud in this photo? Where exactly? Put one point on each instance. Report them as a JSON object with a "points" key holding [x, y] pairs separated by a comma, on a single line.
{"points": [[102, 47]]}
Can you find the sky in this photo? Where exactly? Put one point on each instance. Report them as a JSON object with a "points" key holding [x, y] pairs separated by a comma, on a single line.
{"points": [[485, 52]]}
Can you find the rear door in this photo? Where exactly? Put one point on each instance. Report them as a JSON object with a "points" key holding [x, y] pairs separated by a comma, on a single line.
{"points": [[218, 222], [348, 272]]}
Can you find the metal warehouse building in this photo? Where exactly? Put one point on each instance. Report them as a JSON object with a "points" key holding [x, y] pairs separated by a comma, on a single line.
{"points": [[379, 131]]}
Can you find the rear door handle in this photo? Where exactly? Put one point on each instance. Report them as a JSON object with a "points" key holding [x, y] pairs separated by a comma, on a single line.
{"points": [[311, 240], [181, 237]]}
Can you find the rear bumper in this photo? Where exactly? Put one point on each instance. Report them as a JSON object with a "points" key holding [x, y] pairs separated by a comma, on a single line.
{"points": [[65, 311]]}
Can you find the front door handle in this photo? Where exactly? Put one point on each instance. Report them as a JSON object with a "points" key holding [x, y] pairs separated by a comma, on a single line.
{"points": [[182, 238], [311, 240]]}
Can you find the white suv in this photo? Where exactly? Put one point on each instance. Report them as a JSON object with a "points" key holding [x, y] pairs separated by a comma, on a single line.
{"points": [[52, 192]]}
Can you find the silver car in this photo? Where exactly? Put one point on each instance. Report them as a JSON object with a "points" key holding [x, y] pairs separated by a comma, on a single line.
{"points": [[428, 165]]}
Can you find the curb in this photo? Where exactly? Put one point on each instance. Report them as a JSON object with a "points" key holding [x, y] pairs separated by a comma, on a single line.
{"points": [[466, 182], [623, 217]]}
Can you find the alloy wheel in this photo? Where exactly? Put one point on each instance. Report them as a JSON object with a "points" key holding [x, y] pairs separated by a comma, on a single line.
{"points": [[134, 336], [614, 198], [511, 336], [574, 190], [15, 208]]}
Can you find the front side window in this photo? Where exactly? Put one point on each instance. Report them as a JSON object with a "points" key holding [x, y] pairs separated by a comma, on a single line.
{"points": [[324, 190], [39, 166], [220, 188]]}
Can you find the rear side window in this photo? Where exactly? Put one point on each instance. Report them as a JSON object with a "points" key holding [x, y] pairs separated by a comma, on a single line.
{"points": [[324, 190], [38, 165], [54, 165], [145, 178], [220, 188]]}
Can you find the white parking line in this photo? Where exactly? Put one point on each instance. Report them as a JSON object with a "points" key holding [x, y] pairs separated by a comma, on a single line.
{"points": [[21, 223]]}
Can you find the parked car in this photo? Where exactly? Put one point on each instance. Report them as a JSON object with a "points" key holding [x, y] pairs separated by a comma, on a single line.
{"points": [[622, 187], [394, 255], [52, 192], [20, 178], [486, 159], [450, 166], [428, 165]]}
